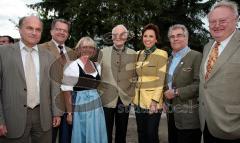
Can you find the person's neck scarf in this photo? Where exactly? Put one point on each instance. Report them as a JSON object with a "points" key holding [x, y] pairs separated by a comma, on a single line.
{"points": [[148, 51]]}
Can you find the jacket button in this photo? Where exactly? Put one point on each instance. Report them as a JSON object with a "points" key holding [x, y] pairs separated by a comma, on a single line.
{"points": [[24, 105], [25, 89]]}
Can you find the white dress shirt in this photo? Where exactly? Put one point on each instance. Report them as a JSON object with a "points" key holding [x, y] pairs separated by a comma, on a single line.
{"points": [[35, 56]]}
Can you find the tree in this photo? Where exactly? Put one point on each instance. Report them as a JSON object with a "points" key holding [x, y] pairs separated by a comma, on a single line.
{"points": [[95, 18]]}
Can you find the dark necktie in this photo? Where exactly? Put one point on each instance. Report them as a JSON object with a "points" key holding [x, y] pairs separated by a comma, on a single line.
{"points": [[61, 49], [63, 58]]}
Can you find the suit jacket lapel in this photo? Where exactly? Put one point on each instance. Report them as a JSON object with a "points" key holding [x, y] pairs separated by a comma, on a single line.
{"points": [[228, 51], [42, 62], [205, 57], [52, 47], [180, 64], [19, 62], [167, 75]]}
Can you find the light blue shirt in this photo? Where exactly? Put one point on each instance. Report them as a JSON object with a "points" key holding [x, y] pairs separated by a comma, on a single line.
{"points": [[177, 57]]}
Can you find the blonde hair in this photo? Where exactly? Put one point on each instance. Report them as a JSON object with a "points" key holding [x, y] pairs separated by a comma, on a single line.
{"points": [[86, 41]]}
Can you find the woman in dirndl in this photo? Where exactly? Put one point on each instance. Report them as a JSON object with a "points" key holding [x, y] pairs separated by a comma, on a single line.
{"points": [[83, 103]]}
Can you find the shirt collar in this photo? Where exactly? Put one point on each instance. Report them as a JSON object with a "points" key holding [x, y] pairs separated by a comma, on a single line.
{"points": [[22, 45], [119, 49], [181, 52], [56, 44], [225, 42]]}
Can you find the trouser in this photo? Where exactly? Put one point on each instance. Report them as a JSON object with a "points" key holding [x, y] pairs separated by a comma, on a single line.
{"points": [[209, 138], [33, 131], [147, 125], [176, 135], [120, 115]]}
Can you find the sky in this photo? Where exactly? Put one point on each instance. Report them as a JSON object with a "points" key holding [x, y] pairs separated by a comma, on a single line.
{"points": [[10, 12]]}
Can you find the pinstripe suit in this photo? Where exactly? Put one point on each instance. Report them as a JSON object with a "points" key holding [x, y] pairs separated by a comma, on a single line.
{"points": [[13, 91]]}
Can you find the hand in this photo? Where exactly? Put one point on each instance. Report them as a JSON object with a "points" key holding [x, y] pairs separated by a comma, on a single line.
{"points": [[69, 119], [165, 108], [153, 107], [169, 94], [56, 121], [3, 130]]}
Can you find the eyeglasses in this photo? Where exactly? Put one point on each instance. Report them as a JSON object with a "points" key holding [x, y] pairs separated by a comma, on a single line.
{"points": [[221, 21], [122, 36], [61, 30], [176, 36]]}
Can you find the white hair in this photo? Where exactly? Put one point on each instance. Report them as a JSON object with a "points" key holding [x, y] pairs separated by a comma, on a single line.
{"points": [[225, 3], [119, 26]]}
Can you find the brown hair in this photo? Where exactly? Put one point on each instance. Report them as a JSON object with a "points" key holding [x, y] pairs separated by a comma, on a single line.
{"points": [[155, 28]]}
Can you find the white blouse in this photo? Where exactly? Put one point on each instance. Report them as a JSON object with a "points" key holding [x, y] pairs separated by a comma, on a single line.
{"points": [[71, 74]]}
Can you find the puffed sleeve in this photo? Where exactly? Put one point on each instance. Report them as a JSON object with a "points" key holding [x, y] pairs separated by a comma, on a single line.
{"points": [[70, 76]]}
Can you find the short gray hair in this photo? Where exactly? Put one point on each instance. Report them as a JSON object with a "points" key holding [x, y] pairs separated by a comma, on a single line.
{"points": [[178, 26], [225, 3], [119, 26]]}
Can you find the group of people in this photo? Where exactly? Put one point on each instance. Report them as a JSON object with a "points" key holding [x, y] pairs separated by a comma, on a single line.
{"points": [[49, 91]]}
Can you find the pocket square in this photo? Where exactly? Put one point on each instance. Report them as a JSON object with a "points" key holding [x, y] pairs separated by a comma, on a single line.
{"points": [[187, 69]]}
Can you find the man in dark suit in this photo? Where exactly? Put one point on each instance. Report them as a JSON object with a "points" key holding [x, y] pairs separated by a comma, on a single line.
{"points": [[27, 107], [219, 89], [181, 93], [60, 32]]}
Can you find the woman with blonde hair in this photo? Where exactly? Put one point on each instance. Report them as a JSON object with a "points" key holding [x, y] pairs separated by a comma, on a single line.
{"points": [[84, 109]]}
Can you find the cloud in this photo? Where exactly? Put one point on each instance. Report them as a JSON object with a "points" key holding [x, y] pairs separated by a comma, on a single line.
{"points": [[10, 12]]}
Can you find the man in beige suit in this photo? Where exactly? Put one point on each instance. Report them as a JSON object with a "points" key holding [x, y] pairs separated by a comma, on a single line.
{"points": [[219, 89], [117, 72], [60, 32], [26, 107]]}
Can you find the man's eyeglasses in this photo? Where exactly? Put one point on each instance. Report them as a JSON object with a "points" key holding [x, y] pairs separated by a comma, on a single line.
{"points": [[221, 21], [176, 36], [60, 30], [122, 36]]}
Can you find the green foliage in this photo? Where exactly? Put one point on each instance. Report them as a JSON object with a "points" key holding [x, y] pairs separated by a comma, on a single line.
{"points": [[97, 17]]}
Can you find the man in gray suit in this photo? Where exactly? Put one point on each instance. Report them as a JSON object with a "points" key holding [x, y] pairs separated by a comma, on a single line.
{"points": [[181, 93], [219, 88], [60, 32], [27, 110]]}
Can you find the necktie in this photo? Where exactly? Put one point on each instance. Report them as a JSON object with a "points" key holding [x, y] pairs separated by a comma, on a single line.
{"points": [[31, 80], [63, 58], [212, 59], [61, 49]]}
